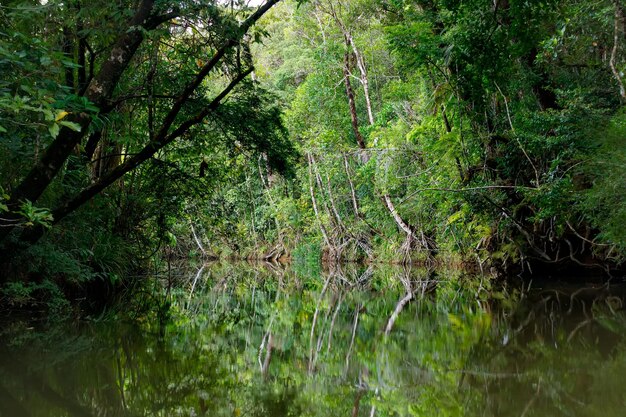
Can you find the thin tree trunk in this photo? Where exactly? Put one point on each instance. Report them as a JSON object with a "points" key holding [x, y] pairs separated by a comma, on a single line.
{"points": [[266, 187], [82, 52], [314, 202], [350, 93], [357, 402], [338, 226], [268, 355], [252, 221], [68, 51], [397, 218], [355, 202], [320, 337], [332, 212], [354, 327], [193, 232], [332, 323], [332, 204], [618, 19], [360, 62]]}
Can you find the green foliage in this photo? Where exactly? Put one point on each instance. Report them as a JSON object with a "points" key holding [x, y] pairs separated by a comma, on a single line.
{"points": [[3, 198], [604, 204], [34, 215], [306, 258], [44, 298]]}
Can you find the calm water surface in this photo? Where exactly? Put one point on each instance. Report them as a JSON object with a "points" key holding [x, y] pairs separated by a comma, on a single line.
{"points": [[260, 341]]}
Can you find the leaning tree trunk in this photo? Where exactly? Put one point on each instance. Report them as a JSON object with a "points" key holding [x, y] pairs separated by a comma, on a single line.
{"points": [[99, 92], [329, 245], [100, 89]]}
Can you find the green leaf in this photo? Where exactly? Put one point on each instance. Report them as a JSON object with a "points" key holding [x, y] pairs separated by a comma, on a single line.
{"points": [[2, 129], [54, 130], [49, 116], [456, 216], [71, 125]]}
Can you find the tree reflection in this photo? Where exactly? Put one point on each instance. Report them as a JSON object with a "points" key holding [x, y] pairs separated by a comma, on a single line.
{"points": [[252, 341]]}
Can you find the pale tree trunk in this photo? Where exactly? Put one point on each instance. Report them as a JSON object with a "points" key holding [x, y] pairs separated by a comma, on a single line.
{"points": [[339, 229], [360, 62], [619, 18], [408, 230], [315, 207], [358, 55], [268, 355], [355, 201], [279, 250], [398, 219], [332, 211], [195, 237], [354, 327], [332, 323], [352, 104], [332, 204], [396, 312], [410, 292]]}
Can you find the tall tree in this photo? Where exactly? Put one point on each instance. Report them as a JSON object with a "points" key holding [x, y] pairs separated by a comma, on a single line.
{"points": [[147, 17]]}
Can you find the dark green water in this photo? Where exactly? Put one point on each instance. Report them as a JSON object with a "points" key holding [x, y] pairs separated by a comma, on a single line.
{"points": [[253, 341]]}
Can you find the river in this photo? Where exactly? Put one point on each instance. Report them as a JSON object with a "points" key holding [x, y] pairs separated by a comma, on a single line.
{"points": [[244, 340]]}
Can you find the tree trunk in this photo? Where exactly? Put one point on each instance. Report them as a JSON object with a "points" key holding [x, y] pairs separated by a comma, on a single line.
{"points": [[350, 93], [398, 219], [360, 62], [99, 92], [396, 312], [619, 18], [355, 201], [315, 208]]}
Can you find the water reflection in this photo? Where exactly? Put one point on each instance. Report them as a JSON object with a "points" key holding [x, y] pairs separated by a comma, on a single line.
{"points": [[262, 341]]}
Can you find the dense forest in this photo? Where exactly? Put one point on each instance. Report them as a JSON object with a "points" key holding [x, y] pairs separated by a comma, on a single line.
{"points": [[482, 133]]}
